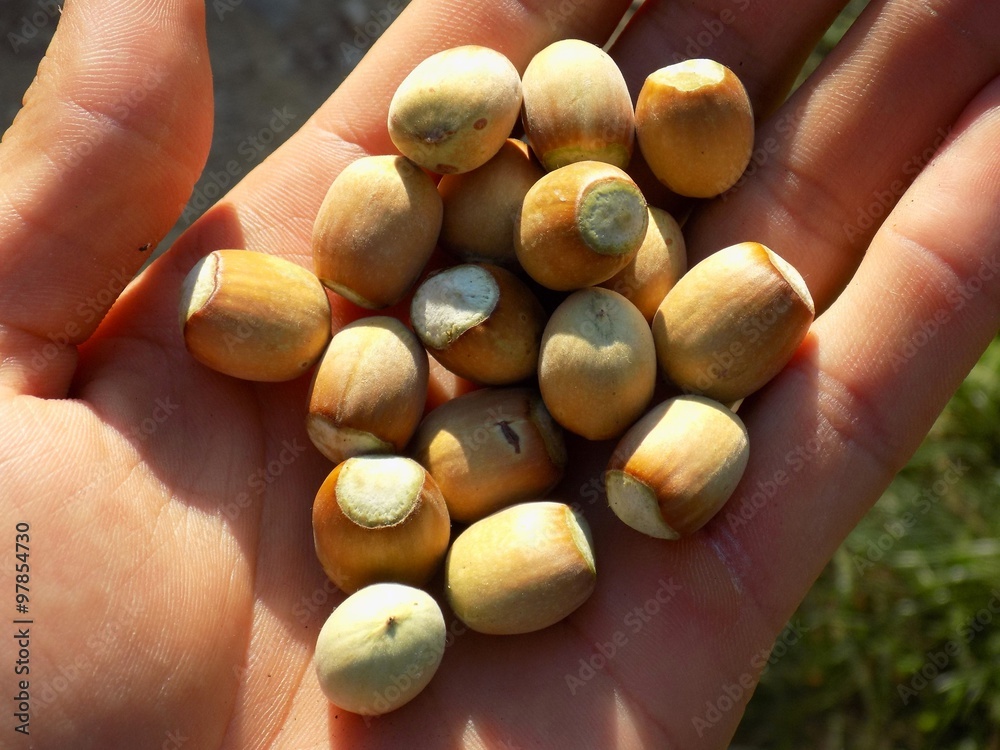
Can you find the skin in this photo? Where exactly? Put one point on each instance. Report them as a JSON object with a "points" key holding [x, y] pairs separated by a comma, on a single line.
{"points": [[175, 606]]}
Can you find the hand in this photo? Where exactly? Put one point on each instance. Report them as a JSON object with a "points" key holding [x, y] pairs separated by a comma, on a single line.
{"points": [[174, 591]]}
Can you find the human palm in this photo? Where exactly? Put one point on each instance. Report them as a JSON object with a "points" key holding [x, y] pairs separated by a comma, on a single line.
{"points": [[175, 593]]}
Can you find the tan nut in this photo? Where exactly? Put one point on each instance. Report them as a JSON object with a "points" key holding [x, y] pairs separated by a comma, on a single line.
{"points": [[489, 449], [732, 322], [597, 366], [695, 127], [480, 206], [481, 322], [521, 569], [455, 109], [660, 262], [580, 225], [369, 391], [577, 106], [380, 648], [254, 316], [376, 230], [379, 518], [674, 469]]}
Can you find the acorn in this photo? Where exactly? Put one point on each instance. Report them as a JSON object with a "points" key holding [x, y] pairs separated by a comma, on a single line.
{"points": [[489, 449], [254, 316], [695, 127], [479, 321], [732, 322], [381, 212], [455, 110], [577, 106], [379, 518], [521, 569], [369, 391], [597, 365], [677, 466], [580, 225]]}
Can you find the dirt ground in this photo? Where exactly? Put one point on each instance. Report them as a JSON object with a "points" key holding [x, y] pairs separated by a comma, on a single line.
{"points": [[268, 57]]}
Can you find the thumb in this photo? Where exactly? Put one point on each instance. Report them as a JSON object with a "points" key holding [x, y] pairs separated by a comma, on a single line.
{"points": [[94, 171]]}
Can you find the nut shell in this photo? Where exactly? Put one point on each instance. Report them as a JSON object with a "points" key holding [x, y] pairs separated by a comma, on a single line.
{"points": [[521, 569], [369, 391], [695, 127], [732, 322], [481, 206], [381, 212], [577, 106], [674, 469], [597, 366], [379, 518], [254, 316], [659, 264], [380, 648], [580, 225], [481, 322], [455, 110], [489, 449]]}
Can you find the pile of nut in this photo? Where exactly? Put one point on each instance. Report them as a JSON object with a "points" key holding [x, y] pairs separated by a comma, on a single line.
{"points": [[555, 217]]}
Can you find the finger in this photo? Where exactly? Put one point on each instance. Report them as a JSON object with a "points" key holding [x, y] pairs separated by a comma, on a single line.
{"points": [[833, 160], [836, 426], [94, 171], [762, 42]]}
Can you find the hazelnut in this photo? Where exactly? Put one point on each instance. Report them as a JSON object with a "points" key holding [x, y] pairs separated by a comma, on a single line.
{"points": [[580, 225], [577, 106], [381, 212], [254, 316], [695, 127], [674, 469], [455, 110]]}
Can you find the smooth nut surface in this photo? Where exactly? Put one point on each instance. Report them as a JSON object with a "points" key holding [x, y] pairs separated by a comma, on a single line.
{"points": [[695, 127], [489, 449], [481, 322], [455, 109], [380, 648], [379, 518], [521, 569], [597, 366], [580, 225], [732, 322], [254, 316], [674, 469], [577, 106], [656, 267], [376, 230], [369, 391], [481, 206]]}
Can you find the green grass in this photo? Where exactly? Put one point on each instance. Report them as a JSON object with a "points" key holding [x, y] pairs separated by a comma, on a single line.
{"points": [[895, 656]]}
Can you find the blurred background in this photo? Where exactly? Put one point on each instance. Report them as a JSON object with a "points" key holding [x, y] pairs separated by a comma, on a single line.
{"points": [[897, 646]]}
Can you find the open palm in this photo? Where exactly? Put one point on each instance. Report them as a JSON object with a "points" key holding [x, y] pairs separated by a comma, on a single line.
{"points": [[175, 594]]}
